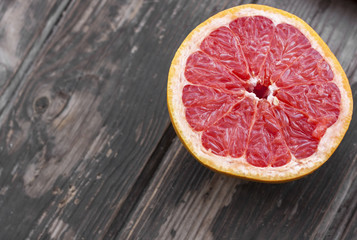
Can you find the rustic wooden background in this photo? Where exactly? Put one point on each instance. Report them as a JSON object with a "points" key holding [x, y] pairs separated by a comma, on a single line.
{"points": [[87, 150]]}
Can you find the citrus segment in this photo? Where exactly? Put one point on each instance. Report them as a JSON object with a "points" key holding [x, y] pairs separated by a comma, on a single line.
{"points": [[254, 92], [298, 130], [203, 70], [309, 68], [321, 102], [223, 46], [254, 35], [286, 46], [204, 106], [266, 146], [229, 135]]}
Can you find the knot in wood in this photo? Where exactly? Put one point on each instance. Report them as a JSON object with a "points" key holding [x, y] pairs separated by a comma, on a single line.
{"points": [[41, 105]]}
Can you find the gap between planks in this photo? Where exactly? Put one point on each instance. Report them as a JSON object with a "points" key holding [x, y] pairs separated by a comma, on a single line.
{"points": [[141, 184]]}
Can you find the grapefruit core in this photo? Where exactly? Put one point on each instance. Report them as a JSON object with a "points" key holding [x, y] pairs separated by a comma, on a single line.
{"points": [[254, 92]]}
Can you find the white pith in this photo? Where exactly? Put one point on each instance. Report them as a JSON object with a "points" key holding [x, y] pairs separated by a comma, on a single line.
{"points": [[239, 166]]}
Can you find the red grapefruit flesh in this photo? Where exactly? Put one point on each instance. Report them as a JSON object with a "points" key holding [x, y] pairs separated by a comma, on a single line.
{"points": [[228, 56]]}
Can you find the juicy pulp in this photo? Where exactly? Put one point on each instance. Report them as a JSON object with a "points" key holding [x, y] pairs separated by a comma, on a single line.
{"points": [[220, 101]]}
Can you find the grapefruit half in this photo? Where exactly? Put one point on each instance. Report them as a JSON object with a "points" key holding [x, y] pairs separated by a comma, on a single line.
{"points": [[254, 92]]}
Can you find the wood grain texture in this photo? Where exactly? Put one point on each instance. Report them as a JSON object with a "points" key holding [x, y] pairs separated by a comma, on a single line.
{"points": [[187, 201], [84, 120], [84, 128], [24, 28]]}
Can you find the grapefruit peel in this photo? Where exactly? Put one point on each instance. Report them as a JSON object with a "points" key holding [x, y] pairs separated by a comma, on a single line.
{"points": [[239, 167]]}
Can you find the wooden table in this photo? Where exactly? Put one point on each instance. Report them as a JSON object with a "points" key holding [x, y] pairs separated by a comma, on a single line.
{"points": [[87, 150]]}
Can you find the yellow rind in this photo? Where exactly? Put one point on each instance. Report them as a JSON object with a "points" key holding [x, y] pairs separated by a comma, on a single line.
{"points": [[327, 52]]}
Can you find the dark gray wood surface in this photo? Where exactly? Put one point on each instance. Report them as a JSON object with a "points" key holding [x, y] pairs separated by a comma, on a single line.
{"points": [[86, 146]]}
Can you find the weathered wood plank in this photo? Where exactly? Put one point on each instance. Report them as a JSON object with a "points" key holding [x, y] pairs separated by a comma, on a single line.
{"points": [[344, 224], [187, 201], [141, 184], [87, 117], [24, 28]]}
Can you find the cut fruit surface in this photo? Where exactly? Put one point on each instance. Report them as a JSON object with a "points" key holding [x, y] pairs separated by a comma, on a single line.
{"points": [[254, 92]]}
